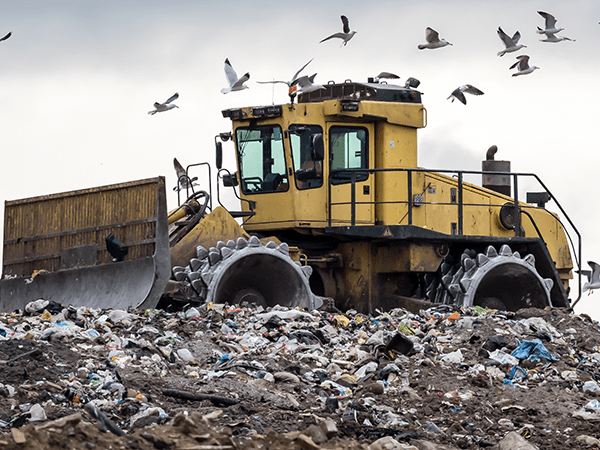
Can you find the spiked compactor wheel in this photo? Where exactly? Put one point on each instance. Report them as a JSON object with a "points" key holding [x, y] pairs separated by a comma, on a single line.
{"points": [[246, 270], [494, 279]]}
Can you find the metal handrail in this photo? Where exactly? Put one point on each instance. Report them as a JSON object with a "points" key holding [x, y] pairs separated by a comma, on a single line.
{"points": [[190, 185], [460, 203], [251, 203]]}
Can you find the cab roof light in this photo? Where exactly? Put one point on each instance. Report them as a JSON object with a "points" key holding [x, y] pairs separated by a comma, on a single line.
{"points": [[350, 106], [233, 114], [267, 111]]}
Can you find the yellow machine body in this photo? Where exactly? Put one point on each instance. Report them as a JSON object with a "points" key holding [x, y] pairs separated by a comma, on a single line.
{"points": [[395, 218], [334, 204]]}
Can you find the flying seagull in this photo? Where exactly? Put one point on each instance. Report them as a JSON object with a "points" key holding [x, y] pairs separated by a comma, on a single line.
{"points": [[511, 44], [183, 181], [524, 67], [433, 40], [550, 24], [552, 37], [345, 36], [292, 81], [593, 279], [161, 107], [6, 37], [459, 93], [235, 83], [385, 75]]}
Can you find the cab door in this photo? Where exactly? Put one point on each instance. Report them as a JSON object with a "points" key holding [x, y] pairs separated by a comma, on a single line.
{"points": [[351, 148]]}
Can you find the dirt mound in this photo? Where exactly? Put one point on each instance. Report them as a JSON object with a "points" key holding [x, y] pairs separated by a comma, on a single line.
{"points": [[230, 377]]}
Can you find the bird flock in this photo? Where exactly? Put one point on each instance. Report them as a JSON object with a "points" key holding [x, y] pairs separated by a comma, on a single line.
{"points": [[304, 84], [511, 44]]}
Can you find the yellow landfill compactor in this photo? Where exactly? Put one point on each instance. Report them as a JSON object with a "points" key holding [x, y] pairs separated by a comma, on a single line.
{"points": [[333, 206]]}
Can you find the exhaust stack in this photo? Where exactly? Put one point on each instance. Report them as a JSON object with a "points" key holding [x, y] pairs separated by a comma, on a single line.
{"points": [[498, 183]]}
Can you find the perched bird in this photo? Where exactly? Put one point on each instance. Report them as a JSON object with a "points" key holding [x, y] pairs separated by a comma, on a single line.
{"points": [[116, 248], [183, 181], [235, 83], [511, 44], [433, 40], [6, 37], [459, 93], [305, 84], [161, 107], [593, 279], [552, 37], [524, 67], [345, 36], [550, 24], [292, 81], [385, 75]]}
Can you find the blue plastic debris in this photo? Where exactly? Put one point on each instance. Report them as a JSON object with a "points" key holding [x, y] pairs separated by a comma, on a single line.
{"points": [[513, 373], [533, 351]]}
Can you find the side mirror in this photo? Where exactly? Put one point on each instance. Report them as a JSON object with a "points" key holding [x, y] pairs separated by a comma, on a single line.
{"points": [[317, 148], [219, 155], [230, 180]]}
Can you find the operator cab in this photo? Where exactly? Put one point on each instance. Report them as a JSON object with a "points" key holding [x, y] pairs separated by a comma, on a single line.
{"points": [[294, 159]]}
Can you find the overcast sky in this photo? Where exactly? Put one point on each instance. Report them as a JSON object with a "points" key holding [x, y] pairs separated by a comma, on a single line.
{"points": [[78, 77]]}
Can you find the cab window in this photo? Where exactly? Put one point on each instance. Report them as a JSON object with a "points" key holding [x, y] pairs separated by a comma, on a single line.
{"points": [[261, 159], [308, 165], [348, 147]]}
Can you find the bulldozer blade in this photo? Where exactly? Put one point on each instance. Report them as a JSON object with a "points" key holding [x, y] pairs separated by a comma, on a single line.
{"points": [[104, 247]]}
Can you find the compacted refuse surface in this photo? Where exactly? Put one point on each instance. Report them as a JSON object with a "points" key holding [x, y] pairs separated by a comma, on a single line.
{"points": [[232, 377]]}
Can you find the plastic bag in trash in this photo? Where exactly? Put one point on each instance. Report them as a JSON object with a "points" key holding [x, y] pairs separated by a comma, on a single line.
{"points": [[533, 351], [591, 386], [37, 413], [455, 357]]}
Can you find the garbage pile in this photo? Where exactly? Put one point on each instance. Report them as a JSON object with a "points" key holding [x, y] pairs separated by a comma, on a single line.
{"points": [[228, 377]]}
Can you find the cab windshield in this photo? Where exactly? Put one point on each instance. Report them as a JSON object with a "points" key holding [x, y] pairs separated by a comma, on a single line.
{"points": [[261, 159]]}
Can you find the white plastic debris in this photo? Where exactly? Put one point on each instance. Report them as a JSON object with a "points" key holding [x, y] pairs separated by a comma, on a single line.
{"points": [[455, 357], [118, 315], [37, 413], [504, 358], [367, 368], [185, 354], [192, 312], [591, 386], [155, 411], [36, 306], [284, 315]]}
